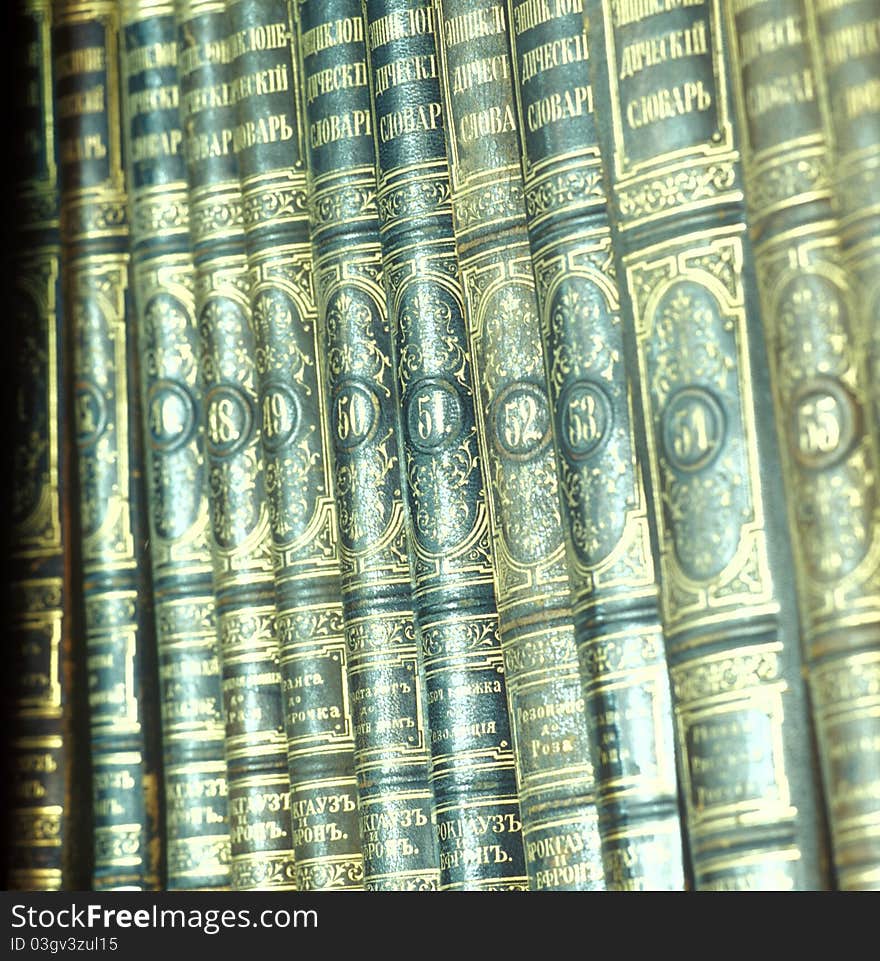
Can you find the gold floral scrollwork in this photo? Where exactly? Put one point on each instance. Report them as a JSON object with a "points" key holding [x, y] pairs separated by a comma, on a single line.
{"points": [[491, 202], [331, 874], [39, 826], [687, 325], [297, 627], [441, 460], [213, 217], [718, 677], [288, 486], [353, 346], [425, 883], [194, 855], [414, 198], [273, 205], [114, 844], [342, 204], [835, 466], [461, 637], [506, 339], [596, 469], [234, 499], [696, 384], [564, 189], [153, 217], [91, 220], [263, 871], [175, 462], [442, 492], [364, 478], [804, 174], [279, 348], [694, 185]]}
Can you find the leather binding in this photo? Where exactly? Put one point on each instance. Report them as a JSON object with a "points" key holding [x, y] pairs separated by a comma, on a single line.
{"points": [[661, 82], [41, 830], [817, 350], [605, 513], [115, 562], [256, 746], [479, 824], [848, 50], [320, 742], [385, 679], [554, 767], [173, 407]]}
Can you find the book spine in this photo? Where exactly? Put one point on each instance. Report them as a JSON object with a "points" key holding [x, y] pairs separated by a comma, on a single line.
{"points": [[256, 763], [41, 760], [320, 743], [609, 534], [116, 577], [817, 353], [173, 407], [479, 824], [385, 676], [695, 339], [848, 47], [554, 767]]}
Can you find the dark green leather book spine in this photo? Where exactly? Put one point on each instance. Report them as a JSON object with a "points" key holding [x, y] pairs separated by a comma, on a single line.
{"points": [[848, 48], [320, 742], [817, 350], [661, 81], [197, 827], [478, 815], [611, 568], [554, 766], [112, 516], [256, 746], [385, 679], [39, 834]]}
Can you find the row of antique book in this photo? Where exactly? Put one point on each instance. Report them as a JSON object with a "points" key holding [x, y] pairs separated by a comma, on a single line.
{"points": [[447, 445]]}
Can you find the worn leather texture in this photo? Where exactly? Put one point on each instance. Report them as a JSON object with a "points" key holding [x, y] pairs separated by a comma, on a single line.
{"points": [[607, 519], [663, 103], [555, 770], [42, 804], [473, 769], [385, 675], [112, 512], [172, 402], [244, 591], [817, 342], [269, 147]]}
